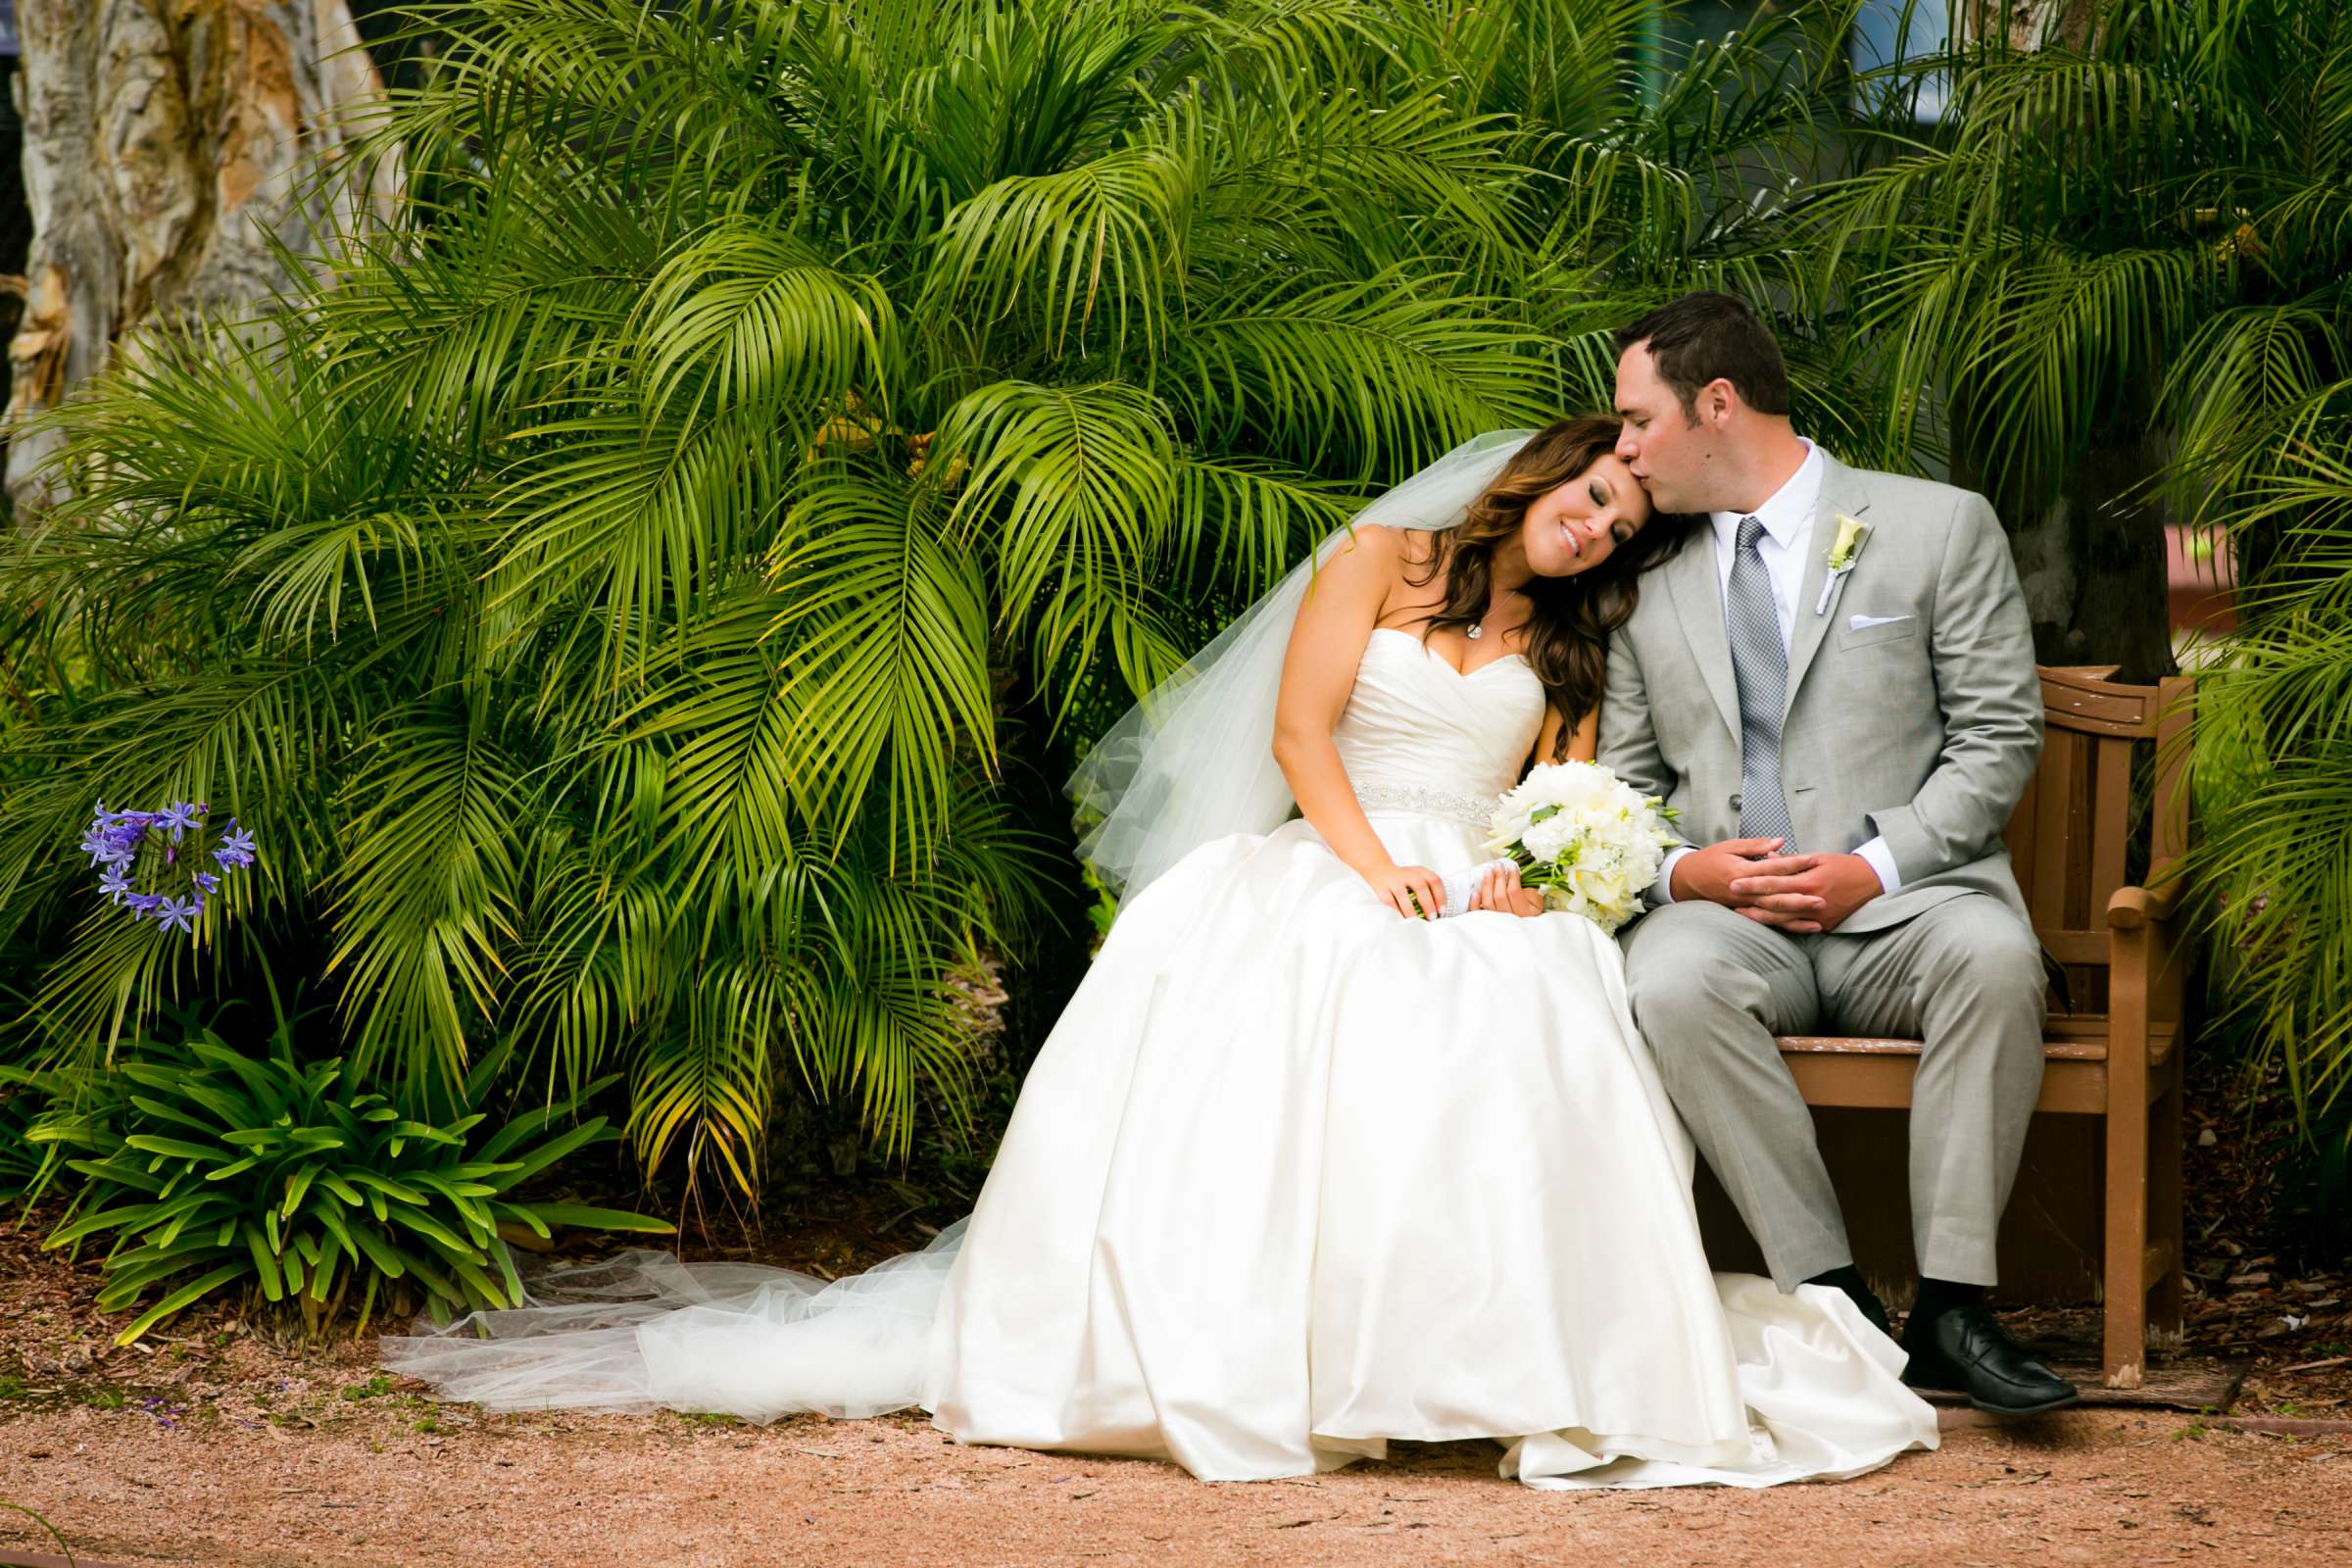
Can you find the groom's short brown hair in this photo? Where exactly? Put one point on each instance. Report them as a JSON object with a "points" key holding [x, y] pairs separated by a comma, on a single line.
{"points": [[1700, 336]]}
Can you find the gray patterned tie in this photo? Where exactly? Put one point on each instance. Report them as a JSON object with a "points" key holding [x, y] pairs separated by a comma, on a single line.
{"points": [[1760, 667]]}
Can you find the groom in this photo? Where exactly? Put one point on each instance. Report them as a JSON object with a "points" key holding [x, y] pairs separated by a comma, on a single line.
{"points": [[1835, 683]]}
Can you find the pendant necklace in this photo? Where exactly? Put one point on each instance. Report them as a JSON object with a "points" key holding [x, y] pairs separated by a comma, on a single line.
{"points": [[1477, 626]]}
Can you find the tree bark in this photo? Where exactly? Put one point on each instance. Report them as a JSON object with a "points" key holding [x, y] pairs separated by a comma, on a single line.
{"points": [[167, 144], [2093, 565], [2029, 24], [2092, 562]]}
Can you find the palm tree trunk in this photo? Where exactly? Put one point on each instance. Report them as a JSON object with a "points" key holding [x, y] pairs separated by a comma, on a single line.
{"points": [[2094, 564], [2029, 24], [167, 143]]}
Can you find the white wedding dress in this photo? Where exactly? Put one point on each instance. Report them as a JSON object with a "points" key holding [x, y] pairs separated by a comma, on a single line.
{"points": [[1292, 1177]]}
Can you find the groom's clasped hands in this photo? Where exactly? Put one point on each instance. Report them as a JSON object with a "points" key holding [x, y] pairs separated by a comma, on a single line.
{"points": [[1800, 894]]}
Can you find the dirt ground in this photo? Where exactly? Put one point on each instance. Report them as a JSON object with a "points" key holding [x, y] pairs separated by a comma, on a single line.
{"points": [[386, 1479], [214, 1446], [211, 1444]]}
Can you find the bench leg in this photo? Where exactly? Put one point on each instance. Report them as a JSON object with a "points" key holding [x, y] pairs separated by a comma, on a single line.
{"points": [[2126, 1241], [2164, 1211]]}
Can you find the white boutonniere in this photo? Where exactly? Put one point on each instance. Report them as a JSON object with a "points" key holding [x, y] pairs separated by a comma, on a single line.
{"points": [[1852, 535]]}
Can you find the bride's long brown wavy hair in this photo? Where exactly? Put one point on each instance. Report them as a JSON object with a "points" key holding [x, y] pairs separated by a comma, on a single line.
{"points": [[1568, 631]]}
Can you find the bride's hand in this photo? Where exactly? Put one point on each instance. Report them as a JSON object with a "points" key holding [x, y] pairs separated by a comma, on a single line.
{"points": [[1400, 885], [1501, 890]]}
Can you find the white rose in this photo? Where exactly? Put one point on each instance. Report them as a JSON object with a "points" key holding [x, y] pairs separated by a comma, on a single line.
{"points": [[1547, 839]]}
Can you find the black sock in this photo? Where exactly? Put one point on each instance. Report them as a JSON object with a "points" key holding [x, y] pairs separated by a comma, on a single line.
{"points": [[1938, 1296], [1847, 1278]]}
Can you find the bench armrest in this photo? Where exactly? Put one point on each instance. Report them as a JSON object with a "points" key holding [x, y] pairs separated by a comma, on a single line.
{"points": [[2129, 908]]}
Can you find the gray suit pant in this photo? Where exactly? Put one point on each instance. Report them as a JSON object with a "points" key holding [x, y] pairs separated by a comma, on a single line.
{"points": [[1710, 989]]}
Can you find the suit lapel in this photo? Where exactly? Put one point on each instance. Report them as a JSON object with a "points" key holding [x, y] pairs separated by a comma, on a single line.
{"points": [[1841, 491], [1690, 578]]}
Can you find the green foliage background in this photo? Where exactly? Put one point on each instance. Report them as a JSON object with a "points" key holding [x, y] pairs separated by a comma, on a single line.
{"points": [[644, 606]]}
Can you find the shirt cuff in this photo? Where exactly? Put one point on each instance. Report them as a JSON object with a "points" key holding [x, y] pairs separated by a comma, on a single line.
{"points": [[1663, 888], [1881, 860]]}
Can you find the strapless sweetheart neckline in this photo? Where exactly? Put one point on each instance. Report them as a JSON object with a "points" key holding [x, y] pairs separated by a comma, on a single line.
{"points": [[1446, 664]]}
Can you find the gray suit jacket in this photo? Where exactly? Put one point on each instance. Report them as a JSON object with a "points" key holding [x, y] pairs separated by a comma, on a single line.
{"points": [[1926, 729]]}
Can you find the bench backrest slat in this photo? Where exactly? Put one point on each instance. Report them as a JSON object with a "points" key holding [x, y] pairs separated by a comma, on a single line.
{"points": [[2069, 839], [2021, 835], [2111, 823], [2061, 820]]}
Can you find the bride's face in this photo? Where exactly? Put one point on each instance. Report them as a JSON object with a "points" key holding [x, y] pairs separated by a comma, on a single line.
{"points": [[1575, 526]]}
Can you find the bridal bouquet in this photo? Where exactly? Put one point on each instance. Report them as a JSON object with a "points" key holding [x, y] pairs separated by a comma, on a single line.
{"points": [[1580, 836]]}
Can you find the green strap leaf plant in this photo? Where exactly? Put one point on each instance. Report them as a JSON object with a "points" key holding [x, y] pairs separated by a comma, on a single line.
{"points": [[285, 1209]]}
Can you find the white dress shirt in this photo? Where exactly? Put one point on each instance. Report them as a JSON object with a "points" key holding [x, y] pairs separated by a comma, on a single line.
{"points": [[1785, 548]]}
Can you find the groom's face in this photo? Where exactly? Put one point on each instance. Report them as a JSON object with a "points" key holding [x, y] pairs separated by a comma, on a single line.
{"points": [[1671, 453]]}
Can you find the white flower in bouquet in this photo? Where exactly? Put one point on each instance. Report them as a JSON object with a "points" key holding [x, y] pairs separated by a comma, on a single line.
{"points": [[1548, 839], [1583, 838]]}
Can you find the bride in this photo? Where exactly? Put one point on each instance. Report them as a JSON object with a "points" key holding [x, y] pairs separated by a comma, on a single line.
{"points": [[1300, 1171]]}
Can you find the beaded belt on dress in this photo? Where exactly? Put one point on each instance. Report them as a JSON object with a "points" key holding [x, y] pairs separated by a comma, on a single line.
{"points": [[1463, 806]]}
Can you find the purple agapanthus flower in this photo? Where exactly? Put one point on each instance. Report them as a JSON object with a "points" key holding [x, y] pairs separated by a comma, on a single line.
{"points": [[112, 843], [235, 847], [180, 816], [119, 831], [102, 848]]}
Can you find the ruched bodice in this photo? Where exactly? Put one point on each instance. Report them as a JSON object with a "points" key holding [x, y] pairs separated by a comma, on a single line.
{"points": [[1418, 735]]}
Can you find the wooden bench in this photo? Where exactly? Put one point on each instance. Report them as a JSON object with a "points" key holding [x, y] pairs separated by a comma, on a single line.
{"points": [[2115, 1052]]}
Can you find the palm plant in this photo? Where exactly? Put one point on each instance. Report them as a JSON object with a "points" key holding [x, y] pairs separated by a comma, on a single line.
{"points": [[2052, 257], [2133, 237], [629, 606], [2267, 441], [611, 603], [1650, 175]]}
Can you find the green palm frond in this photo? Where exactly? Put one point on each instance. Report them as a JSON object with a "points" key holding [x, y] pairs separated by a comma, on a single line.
{"points": [[1253, 46], [426, 899], [2091, 215], [749, 318], [1024, 90], [635, 597], [1108, 233], [1067, 484], [720, 806], [707, 1082], [590, 961], [882, 647], [634, 524], [1241, 520], [1325, 366]]}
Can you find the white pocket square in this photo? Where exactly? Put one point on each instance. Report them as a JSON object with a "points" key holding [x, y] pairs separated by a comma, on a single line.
{"points": [[1865, 622]]}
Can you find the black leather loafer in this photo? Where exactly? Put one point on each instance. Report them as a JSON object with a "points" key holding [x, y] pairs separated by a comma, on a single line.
{"points": [[1966, 1351]]}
